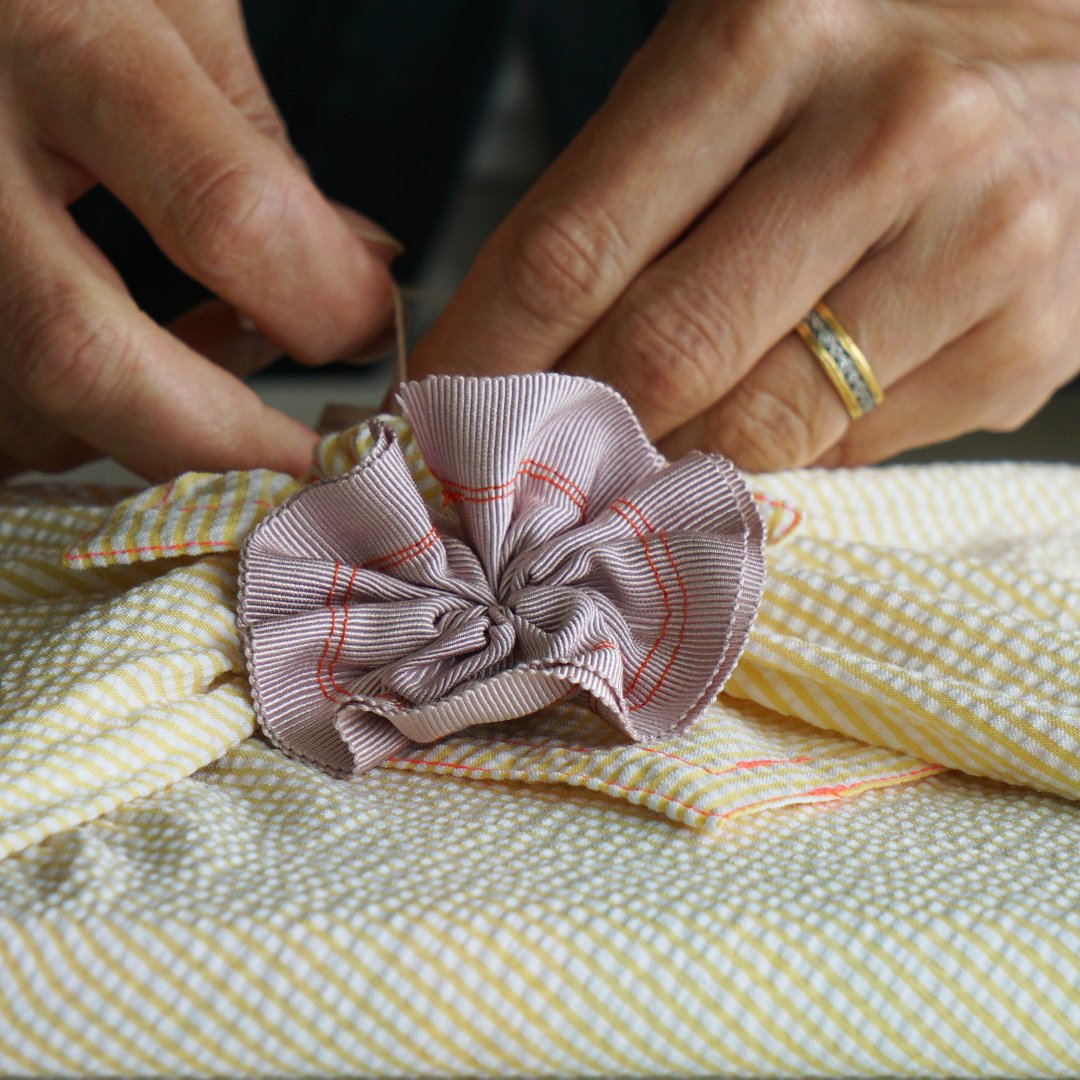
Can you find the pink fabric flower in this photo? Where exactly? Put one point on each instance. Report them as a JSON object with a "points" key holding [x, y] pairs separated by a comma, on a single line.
{"points": [[570, 560]]}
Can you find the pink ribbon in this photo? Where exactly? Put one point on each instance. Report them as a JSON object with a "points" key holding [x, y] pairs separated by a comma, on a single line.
{"points": [[570, 559]]}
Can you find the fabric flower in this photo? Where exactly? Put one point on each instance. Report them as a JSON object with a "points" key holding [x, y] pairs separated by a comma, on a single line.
{"points": [[569, 559]]}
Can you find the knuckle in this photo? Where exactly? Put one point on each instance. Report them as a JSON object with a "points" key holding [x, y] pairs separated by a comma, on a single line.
{"points": [[1029, 222], [564, 260], [935, 109], [223, 215], [673, 355], [956, 104], [783, 26], [1023, 372], [49, 29], [250, 100]]}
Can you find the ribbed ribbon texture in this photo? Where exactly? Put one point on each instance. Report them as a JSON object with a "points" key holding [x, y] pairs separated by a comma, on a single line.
{"points": [[569, 559]]}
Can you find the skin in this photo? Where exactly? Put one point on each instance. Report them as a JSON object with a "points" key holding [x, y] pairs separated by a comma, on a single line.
{"points": [[915, 163], [162, 103]]}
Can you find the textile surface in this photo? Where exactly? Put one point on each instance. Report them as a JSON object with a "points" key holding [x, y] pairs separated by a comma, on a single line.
{"points": [[570, 560], [260, 918], [182, 899], [913, 620]]}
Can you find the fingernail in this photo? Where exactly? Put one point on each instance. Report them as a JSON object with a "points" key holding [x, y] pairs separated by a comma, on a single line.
{"points": [[371, 232], [374, 349]]}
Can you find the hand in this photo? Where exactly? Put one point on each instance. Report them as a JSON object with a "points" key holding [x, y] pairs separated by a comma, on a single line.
{"points": [[917, 164], [163, 104]]}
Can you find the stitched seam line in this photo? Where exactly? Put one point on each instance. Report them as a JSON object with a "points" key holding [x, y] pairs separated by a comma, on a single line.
{"points": [[329, 634], [834, 792], [663, 592], [72, 555]]}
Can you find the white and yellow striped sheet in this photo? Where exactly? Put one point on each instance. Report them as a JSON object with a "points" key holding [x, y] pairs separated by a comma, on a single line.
{"points": [[889, 646], [261, 919]]}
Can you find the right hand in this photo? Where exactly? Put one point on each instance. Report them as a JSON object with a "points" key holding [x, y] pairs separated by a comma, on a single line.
{"points": [[163, 104]]}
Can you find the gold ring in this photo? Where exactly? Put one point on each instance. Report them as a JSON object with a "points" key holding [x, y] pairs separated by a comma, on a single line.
{"points": [[841, 359]]}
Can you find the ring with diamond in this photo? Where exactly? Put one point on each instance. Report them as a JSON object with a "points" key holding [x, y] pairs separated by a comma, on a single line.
{"points": [[841, 359]]}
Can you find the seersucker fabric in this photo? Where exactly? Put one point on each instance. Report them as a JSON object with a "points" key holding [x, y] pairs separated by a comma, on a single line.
{"points": [[179, 898], [913, 620]]}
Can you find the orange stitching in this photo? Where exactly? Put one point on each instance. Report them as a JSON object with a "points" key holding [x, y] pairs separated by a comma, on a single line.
{"points": [[72, 555], [330, 633], [837, 790], [776, 503], [656, 574], [341, 640], [650, 791], [421, 545]]}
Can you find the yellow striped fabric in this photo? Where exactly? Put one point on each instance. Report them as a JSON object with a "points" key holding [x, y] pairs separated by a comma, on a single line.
{"points": [[261, 919], [180, 899], [913, 620]]}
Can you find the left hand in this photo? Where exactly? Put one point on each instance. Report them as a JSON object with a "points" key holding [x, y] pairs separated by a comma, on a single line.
{"points": [[914, 163]]}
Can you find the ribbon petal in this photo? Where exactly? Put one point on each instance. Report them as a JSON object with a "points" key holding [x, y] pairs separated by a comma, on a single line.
{"points": [[571, 561]]}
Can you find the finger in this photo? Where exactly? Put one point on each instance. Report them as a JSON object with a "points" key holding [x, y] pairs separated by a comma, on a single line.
{"points": [[692, 325], [671, 136], [76, 351], [213, 329], [29, 441], [994, 378], [223, 201], [956, 263], [216, 34], [965, 255]]}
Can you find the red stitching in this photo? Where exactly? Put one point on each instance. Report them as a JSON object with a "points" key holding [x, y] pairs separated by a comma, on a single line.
{"points": [[72, 555], [405, 553], [663, 592], [330, 633], [341, 640], [408, 552], [555, 472], [682, 628], [571, 490]]}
